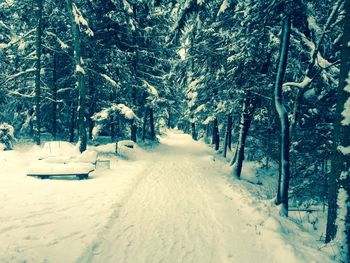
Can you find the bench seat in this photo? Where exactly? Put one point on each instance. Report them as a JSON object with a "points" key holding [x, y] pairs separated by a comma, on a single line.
{"points": [[44, 170]]}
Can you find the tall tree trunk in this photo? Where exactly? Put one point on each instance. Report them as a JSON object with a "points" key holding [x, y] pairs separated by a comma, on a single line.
{"points": [[133, 135], [229, 142], [80, 76], [228, 134], [112, 96], [213, 133], [117, 128], [234, 158], [283, 116], [169, 119], [54, 96], [193, 131], [207, 133], [144, 125], [72, 122], [217, 141], [339, 178], [92, 104], [216, 135], [38, 46], [248, 109], [151, 121]]}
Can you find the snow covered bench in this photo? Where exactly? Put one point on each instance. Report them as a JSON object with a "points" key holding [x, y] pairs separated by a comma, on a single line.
{"points": [[63, 159], [44, 170]]}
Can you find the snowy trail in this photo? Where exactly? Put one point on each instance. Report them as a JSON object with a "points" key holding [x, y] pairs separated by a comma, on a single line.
{"points": [[172, 204], [178, 212]]}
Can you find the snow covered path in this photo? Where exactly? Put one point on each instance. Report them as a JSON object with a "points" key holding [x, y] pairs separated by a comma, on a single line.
{"points": [[178, 212], [172, 204]]}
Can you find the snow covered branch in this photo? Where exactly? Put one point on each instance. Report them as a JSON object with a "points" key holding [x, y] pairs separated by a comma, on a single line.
{"points": [[110, 80], [306, 81], [225, 4], [81, 21], [16, 40], [122, 109], [62, 44], [14, 76]]}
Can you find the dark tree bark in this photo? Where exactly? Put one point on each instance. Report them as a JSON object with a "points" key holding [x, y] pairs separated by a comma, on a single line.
{"points": [[112, 96], [193, 131], [234, 158], [80, 76], [54, 96], [207, 133], [282, 195], [248, 109], [92, 104], [339, 177], [112, 127], [216, 135], [151, 121], [72, 122], [133, 135], [229, 142], [38, 47], [169, 119], [144, 125], [228, 134]]}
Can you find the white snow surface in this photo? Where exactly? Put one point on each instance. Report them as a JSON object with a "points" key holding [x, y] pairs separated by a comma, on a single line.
{"points": [[173, 203]]}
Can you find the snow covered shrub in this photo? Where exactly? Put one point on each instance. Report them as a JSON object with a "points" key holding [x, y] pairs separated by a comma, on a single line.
{"points": [[6, 136]]}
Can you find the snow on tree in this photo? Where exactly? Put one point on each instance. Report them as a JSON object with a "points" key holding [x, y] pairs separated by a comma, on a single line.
{"points": [[6, 136]]}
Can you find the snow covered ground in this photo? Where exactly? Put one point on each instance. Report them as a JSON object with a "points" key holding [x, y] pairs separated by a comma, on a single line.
{"points": [[173, 203]]}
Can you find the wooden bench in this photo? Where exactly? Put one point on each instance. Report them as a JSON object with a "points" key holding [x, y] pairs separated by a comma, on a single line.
{"points": [[80, 176], [45, 170]]}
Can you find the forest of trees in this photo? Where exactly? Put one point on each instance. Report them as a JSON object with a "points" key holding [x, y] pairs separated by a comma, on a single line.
{"points": [[266, 80]]}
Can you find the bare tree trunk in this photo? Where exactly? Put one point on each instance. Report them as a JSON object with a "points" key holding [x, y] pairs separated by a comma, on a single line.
{"points": [[54, 96], [193, 131], [169, 119], [151, 120], [283, 116], [144, 125], [133, 135], [112, 121], [229, 142], [72, 122], [92, 104], [228, 134], [216, 135], [207, 133], [234, 158], [80, 76], [339, 177], [248, 109], [38, 46]]}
